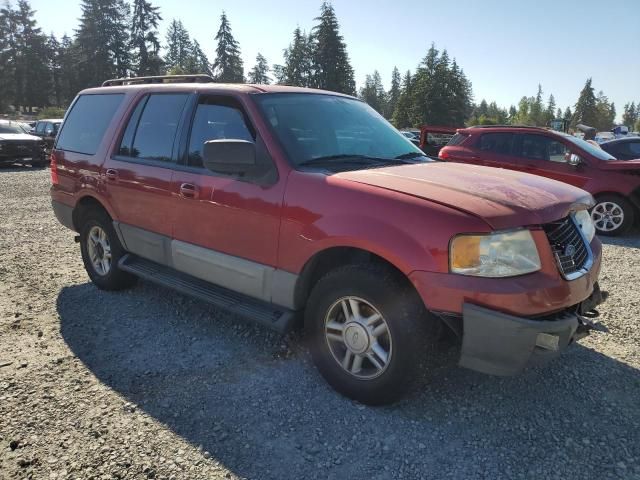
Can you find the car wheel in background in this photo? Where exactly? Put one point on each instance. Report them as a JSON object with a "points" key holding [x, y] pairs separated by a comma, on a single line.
{"points": [[368, 332], [612, 215]]}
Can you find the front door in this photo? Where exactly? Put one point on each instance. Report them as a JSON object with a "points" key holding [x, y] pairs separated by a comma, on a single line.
{"points": [[226, 227], [548, 157], [138, 176]]}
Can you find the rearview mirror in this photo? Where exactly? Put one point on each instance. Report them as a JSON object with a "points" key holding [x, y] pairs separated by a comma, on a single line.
{"points": [[229, 156], [575, 160]]}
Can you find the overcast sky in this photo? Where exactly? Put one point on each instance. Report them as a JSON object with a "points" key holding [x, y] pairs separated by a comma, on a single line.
{"points": [[505, 47]]}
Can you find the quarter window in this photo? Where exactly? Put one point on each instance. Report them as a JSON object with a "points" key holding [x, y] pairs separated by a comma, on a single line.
{"points": [[215, 122], [152, 128], [40, 127], [497, 143]]}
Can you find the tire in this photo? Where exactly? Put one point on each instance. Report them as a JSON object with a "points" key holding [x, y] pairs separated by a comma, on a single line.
{"points": [[375, 289], [613, 215], [94, 223]]}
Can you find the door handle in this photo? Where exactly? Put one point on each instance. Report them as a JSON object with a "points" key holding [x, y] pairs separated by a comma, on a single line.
{"points": [[111, 174], [188, 190]]}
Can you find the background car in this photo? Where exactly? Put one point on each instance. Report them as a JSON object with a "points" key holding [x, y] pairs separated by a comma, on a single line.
{"points": [[615, 184], [627, 148], [47, 129], [16, 146], [604, 136]]}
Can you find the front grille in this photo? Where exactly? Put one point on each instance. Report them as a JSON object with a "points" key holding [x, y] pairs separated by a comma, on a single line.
{"points": [[569, 247], [20, 148]]}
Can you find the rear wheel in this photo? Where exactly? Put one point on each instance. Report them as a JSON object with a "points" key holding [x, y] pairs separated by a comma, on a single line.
{"points": [[368, 331], [101, 250], [612, 215]]}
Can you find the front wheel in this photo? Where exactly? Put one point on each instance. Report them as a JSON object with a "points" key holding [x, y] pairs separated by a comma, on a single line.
{"points": [[612, 215], [368, 332]]}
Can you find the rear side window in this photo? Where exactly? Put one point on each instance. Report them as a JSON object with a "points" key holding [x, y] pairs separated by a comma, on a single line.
{"points": [[40, 127], [501, 143], [87, 122], [538, 147], [152, 128]]}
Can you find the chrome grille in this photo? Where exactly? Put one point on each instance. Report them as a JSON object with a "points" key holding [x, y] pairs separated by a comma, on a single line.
{"points": [[572, 253]]}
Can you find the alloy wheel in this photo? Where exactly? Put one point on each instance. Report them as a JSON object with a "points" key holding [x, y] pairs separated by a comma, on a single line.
{"points": [[99, 250], [607, 216]]}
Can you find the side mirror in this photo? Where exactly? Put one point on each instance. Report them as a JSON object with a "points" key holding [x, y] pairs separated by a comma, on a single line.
{"points": [[229, 156], [575, 160]]}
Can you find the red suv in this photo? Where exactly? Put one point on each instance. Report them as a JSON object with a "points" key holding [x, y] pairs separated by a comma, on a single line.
{"points": [[281, 203], [615, 184]]}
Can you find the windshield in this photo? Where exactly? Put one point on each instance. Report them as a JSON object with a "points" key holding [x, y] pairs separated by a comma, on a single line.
{"points": [[590, 148], [10, 128], [312, 127]]}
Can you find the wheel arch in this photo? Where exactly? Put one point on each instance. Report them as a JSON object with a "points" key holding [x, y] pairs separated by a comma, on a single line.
{"points": [[85, 204]]}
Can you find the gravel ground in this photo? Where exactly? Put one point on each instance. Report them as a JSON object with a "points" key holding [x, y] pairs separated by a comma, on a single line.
{"points": [[151, 384]]}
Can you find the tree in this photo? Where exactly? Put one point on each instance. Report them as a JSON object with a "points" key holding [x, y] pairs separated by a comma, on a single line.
{"points": [[559, 113], [606, 112], [568, 115], [145, 45], [227, 66], [401, 115], [332, 69], [55, 70], [179, 56], [630, 115], [102, 41], [260, 72], [298, 62], [199, 62], [550, 112], [586, 110], [394, 93], [373, 92]]}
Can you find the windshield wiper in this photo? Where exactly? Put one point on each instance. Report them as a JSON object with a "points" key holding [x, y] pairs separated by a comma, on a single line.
{"points": [[408, 155], [346, 158]]}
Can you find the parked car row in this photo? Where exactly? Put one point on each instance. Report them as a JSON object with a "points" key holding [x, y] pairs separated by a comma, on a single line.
{"points": [[297, 206], [17, 146]]}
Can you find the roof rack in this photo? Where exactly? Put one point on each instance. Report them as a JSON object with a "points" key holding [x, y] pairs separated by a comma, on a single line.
{"points": [[201, 78], [507, 126]]}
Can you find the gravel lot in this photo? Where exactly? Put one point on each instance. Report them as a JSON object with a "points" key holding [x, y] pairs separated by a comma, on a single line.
{"points": [[151, 384]]}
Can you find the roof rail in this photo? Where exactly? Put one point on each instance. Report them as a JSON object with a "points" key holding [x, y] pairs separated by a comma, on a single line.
{"points": [[506, 126], [201, 78]]}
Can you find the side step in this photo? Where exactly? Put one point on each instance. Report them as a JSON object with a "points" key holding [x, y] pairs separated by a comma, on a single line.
{"points": [[277, 318]]}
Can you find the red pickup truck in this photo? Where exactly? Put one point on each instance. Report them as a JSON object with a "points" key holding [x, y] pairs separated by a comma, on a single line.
{"points": [[281, 203]]}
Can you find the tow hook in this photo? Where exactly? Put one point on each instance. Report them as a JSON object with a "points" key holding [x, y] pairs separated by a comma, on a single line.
{"points": [[76, 239]]}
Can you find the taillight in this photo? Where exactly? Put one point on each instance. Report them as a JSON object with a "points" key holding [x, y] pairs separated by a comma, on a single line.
{"points": [[443, 154], [54, 169]]}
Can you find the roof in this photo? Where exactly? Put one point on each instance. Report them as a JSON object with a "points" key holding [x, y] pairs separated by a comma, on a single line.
{"points": [[622, 140], [209, 87], [506, 127]]}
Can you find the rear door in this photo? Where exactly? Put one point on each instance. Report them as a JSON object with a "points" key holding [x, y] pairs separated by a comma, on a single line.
{"points": [[496, 149], [139, 174], [548, 157]]}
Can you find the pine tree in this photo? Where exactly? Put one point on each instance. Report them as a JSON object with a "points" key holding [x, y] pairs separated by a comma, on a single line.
{"points": [[630, 115], [145, 45], [567, 114], [259, 74], [179, 56], [199, 62], [228, 65], [102, 41], [373, 92], [559, 113], [55, 69], [333, 70], [586, 111], [8, 53], [513, 113], [551, 110], [606, 112], [298, 61], [68, 60], [394, 93], [401, 116]]}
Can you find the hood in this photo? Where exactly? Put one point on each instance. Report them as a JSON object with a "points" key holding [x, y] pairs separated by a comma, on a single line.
{"points": [[619, 164], [503, 198], [18, 136]]}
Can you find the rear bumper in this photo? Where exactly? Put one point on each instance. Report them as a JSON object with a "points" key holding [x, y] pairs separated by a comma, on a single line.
{"points": [[64, 213], [499, 344]]}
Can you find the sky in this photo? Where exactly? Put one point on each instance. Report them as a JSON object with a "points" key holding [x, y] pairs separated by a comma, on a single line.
{"points": [[505, 47]]}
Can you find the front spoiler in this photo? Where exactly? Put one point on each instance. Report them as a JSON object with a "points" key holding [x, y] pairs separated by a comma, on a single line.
{"points": [[500, 344]]}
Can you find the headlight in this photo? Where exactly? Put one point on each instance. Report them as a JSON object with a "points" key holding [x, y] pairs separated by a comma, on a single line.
{"points": [[494, 255], [584, 221]]}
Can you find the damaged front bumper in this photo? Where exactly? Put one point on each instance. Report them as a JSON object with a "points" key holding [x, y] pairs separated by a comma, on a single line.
{"points": [[499, 344]]}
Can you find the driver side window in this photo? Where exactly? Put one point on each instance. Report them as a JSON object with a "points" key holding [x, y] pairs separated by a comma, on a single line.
{"points": [[538, 147], [213, 121]]}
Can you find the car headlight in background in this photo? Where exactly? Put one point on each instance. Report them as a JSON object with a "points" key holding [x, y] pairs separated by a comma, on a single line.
{"points": [[585, 223], [494, 255]]}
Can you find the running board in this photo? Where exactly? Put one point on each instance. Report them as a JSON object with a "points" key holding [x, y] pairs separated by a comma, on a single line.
{"points": [[277, 318]]}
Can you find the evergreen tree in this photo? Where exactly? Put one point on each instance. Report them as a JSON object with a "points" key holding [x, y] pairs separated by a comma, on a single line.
{"points": [[68, 60], [259, 74], [199, 63], [55, 69], [401, 115], [145, 45], [298, 61], [179, 56], [333, 70], [373, 92], [228, 65], [513, 113], [8, 53], [567, 114], [394, 93], [586, 110], [606, 112], [559, 113], [550, 113], [630, 115], [536, 110], [102, 41]]}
